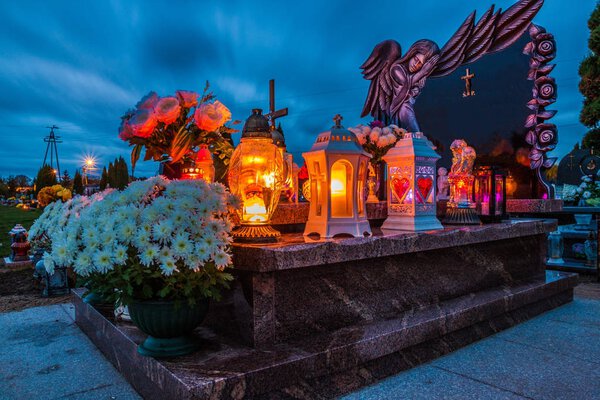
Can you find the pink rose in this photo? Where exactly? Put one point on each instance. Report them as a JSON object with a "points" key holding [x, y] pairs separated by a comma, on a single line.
{"points": [[210, 117], [187, 99], [167, 110], [125, 131], [143, 123], [148, 102]]}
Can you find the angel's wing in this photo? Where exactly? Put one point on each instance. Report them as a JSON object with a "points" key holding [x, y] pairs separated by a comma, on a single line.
{"points": [[377, 69], [492, 33]]}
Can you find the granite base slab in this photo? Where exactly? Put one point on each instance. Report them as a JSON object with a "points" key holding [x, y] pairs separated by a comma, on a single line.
{"points": [[328, 364]]}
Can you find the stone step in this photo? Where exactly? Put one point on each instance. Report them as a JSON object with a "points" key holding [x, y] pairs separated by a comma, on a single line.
{"points": [[225, 369]]}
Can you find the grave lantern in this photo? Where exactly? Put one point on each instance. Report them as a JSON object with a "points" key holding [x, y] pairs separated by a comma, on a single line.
{"points": [[19, 245], [256, 175], [490, 193], [337, 167], [412, 188], [202, 167]]}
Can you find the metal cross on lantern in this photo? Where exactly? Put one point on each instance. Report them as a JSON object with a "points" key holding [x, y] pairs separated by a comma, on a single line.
{"points": [[274, 114], [338, 120], [467, 78]]}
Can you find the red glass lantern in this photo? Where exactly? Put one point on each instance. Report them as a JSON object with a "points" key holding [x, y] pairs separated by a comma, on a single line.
{"points": [[490, 193], [202, 167]]}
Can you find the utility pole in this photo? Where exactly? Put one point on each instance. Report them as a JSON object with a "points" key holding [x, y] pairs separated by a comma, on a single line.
{"points": [[52, 139]]}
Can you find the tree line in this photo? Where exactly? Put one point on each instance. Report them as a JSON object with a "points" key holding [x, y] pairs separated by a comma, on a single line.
{"points": [[115, 176]]}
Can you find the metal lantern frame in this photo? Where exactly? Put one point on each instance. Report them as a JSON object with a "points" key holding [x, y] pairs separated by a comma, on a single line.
{"points": [[489, 193], [337, 167], [412, 186]]}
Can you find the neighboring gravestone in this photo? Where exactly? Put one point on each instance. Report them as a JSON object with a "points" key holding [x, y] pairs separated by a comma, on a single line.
{"points": [[574, 165]]}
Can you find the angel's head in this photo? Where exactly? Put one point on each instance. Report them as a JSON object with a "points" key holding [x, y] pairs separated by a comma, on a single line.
{"points": [[419, 53], [458, 145]]}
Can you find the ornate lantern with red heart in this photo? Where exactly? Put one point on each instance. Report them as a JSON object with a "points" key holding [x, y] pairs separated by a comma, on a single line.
{"points": [[411, 175], [337, 167]]}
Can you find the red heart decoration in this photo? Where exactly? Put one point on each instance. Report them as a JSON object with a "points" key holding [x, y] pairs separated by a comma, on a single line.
{"points": [[400, 188], [425, 185]]}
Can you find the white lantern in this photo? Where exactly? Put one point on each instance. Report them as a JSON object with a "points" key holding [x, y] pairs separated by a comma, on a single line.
{"points": [[337, 167], [412, 188]]}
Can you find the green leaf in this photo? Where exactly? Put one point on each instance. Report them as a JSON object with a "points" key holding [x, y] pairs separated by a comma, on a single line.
{"points": [[164, 291], [135, 154]]}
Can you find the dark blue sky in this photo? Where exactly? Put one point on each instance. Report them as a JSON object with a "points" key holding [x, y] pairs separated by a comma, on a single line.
{"points": [[81, 65]]}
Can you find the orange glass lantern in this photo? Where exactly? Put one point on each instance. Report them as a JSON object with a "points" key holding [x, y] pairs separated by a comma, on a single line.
{"points": [[337, 167], [201, 168], [255, 174], [412, 188]]}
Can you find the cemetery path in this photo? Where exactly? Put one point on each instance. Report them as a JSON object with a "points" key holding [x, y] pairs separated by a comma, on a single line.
{"points": [[553, 356], [44, 355]]}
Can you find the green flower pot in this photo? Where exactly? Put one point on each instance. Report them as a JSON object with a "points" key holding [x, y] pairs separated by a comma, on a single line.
{"points": [[169, 329]]}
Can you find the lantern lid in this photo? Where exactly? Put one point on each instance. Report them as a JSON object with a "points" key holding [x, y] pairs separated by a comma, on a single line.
{"points": [[203, 154], [413, 144], [338, 140], [256, 126], [278, 138], [18, 228]]}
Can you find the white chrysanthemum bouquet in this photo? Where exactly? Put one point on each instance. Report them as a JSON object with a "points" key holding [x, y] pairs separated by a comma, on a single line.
{"points": [[157, 239], [377, 139]]}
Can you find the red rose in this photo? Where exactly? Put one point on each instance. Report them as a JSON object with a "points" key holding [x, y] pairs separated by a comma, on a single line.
{"points": [[167, 110], [210, 117], [187, 99], [143, 123]]}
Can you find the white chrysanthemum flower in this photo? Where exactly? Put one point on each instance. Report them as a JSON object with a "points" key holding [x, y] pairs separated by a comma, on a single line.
{"points": [[202, 251], [149, 255], [127, 231], [107, 237], [222, 260], [181, 245], [586, 195], [142, 238], [83, 264], [168, 266], [103, 261], [60, 252], [48, 263], [120, 254], [162, 231]]}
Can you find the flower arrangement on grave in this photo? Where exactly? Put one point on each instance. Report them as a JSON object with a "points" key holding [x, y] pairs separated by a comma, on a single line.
{"points": [[377, 139], [53, 193], [159, 239], [170, 128], [586, 194]]}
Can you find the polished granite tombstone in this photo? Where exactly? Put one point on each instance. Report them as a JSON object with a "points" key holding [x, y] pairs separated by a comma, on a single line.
{"points": [[300, 286], [315, 319]]}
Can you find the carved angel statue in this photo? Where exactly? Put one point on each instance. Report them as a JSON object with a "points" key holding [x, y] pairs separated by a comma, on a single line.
{"points": [[397, 80], [463, 158]]}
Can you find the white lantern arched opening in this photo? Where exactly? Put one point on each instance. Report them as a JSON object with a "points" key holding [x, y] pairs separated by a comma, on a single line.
{"points": [[337, 167], [412, 187]]}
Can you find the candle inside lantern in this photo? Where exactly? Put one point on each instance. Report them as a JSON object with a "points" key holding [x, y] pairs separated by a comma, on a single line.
{"points": [[340, 206], [255, 210]]}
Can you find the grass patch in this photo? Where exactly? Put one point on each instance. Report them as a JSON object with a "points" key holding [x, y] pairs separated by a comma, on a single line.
{"points": [[9, 217]]}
